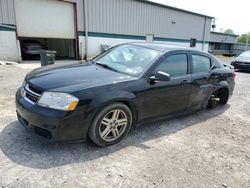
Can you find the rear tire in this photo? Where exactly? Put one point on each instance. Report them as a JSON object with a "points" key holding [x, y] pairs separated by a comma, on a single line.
{"points": [[218, 97], [111, 124], [223, 95]]}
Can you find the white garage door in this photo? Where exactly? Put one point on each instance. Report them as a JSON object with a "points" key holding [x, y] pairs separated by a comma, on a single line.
{"points": [[45, 19]]}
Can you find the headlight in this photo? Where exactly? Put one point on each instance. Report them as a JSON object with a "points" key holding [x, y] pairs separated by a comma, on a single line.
{"points": [[22, 92], [59, 101], [23, 84]]}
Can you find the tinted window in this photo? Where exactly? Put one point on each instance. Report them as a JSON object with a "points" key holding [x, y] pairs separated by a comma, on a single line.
{"points": [[200, 63], [174, 65]]}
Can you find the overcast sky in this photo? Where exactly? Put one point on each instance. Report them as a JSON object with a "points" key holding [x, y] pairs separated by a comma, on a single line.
{"points": [[228, 14]]}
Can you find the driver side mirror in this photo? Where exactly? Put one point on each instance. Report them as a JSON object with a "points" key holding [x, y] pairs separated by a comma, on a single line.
{"points": [[160, 76]]}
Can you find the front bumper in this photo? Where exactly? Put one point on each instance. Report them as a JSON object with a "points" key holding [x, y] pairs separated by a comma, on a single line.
{"points": [[50, 124], [241, 66]]}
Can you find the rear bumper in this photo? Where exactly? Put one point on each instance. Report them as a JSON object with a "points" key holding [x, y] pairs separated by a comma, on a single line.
{"points": [[241, 66], [49, 124]]}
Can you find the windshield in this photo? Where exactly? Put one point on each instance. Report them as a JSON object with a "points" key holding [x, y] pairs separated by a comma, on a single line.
{"points": [[128, 59], [245, 54]]}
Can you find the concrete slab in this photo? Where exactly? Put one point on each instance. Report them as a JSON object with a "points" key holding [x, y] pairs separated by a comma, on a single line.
{"points": [[8, 63], [37, 64]]}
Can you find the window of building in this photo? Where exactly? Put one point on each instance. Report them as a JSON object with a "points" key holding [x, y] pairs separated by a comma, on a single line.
{"points": [[174, 65], [149, 38], [200, 63], [193, 42]]}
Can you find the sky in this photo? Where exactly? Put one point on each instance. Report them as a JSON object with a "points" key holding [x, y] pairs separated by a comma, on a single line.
{"points": [[228, 14]]}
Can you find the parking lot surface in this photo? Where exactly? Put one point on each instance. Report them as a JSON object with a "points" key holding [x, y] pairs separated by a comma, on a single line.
{"points": [[210, 148]]}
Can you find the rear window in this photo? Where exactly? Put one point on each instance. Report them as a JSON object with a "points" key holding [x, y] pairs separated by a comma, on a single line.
{"points": [[200, 63]]}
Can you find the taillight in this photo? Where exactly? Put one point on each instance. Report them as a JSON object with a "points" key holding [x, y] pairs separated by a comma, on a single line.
{"points": [[234, 75]]}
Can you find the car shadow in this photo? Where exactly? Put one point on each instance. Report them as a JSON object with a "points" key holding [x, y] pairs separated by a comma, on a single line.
{"points": [[22, 148]]}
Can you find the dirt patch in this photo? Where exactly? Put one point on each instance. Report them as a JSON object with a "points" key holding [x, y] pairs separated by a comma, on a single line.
{"points": [[225, 59]]}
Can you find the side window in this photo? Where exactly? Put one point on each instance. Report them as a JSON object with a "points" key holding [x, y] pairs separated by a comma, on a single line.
{"points": [[200, 63], [174, 65]]}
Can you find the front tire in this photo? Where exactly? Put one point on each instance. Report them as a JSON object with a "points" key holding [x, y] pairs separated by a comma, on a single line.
{"points": [[111, 124]]}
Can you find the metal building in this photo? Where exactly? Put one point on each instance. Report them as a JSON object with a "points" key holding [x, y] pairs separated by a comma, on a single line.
{"points": [[78, 28], [222, 43]]}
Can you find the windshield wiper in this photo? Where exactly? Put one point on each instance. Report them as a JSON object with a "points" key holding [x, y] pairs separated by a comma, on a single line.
{"points": [[106, 66]]}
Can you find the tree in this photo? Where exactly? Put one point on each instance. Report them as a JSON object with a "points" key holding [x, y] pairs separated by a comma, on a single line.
{"points": [[229, 31], [243, 38]]}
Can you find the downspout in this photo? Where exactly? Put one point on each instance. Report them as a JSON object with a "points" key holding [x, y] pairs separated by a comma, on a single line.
{"points": [[86, 28], [204, 32], [18, 49]]}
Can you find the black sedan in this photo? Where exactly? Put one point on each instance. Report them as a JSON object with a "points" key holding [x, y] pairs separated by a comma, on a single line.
{"points": [[125, 86], [242, 62]]}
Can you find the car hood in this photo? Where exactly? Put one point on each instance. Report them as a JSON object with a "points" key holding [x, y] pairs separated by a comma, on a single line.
{"points": [[81, 74], [243, 59]]}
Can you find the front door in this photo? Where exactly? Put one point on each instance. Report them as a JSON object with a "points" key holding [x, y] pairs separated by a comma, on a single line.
{"points": [[168, 97]]}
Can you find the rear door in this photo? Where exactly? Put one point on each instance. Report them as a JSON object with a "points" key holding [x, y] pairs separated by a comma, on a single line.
{"points": [[202, 79]]}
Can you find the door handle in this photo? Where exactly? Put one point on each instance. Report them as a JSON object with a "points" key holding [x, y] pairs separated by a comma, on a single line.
{"points": [[185, 82]]}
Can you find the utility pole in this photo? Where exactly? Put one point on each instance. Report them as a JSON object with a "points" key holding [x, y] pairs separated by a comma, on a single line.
{"points": [[247, 41], [86, 28], [204, 33]]}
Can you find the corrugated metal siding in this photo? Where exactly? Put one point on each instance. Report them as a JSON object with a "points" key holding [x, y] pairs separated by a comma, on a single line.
{"points": [[208, 29], [80, 15], [131, 17], [223, 38], [7, 12], [239, 48]]}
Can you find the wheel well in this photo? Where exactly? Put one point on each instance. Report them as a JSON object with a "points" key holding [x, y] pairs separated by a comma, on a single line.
{"points": [[133, 110]]}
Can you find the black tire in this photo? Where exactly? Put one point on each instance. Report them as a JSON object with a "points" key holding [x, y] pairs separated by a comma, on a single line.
{"points": [[223, 95], [96, 128]]}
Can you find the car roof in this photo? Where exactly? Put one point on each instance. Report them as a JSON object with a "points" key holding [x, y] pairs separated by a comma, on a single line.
{"points": [[163, 47]]}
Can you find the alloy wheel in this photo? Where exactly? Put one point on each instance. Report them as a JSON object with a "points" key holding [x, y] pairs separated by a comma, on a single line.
{"points": [[113, 125]]}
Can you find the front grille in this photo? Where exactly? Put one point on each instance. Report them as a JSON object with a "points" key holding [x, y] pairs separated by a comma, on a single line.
{"points": [[31, 94], [31, 97], [35, 90], [42, 132]]}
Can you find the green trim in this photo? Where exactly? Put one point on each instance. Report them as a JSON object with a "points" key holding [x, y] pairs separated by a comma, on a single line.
{"points": [[6, 28], [109, 35], [174, 8], [171, 39], [177, 40], [135, 37], [213, 32], [81, 33]]}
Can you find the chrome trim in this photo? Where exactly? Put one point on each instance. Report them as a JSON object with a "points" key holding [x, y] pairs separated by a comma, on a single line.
{"points": [[28, 100], [32, 92]]}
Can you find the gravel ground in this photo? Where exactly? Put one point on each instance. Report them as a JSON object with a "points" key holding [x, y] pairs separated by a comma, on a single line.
{"points": [[206, 149]]}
